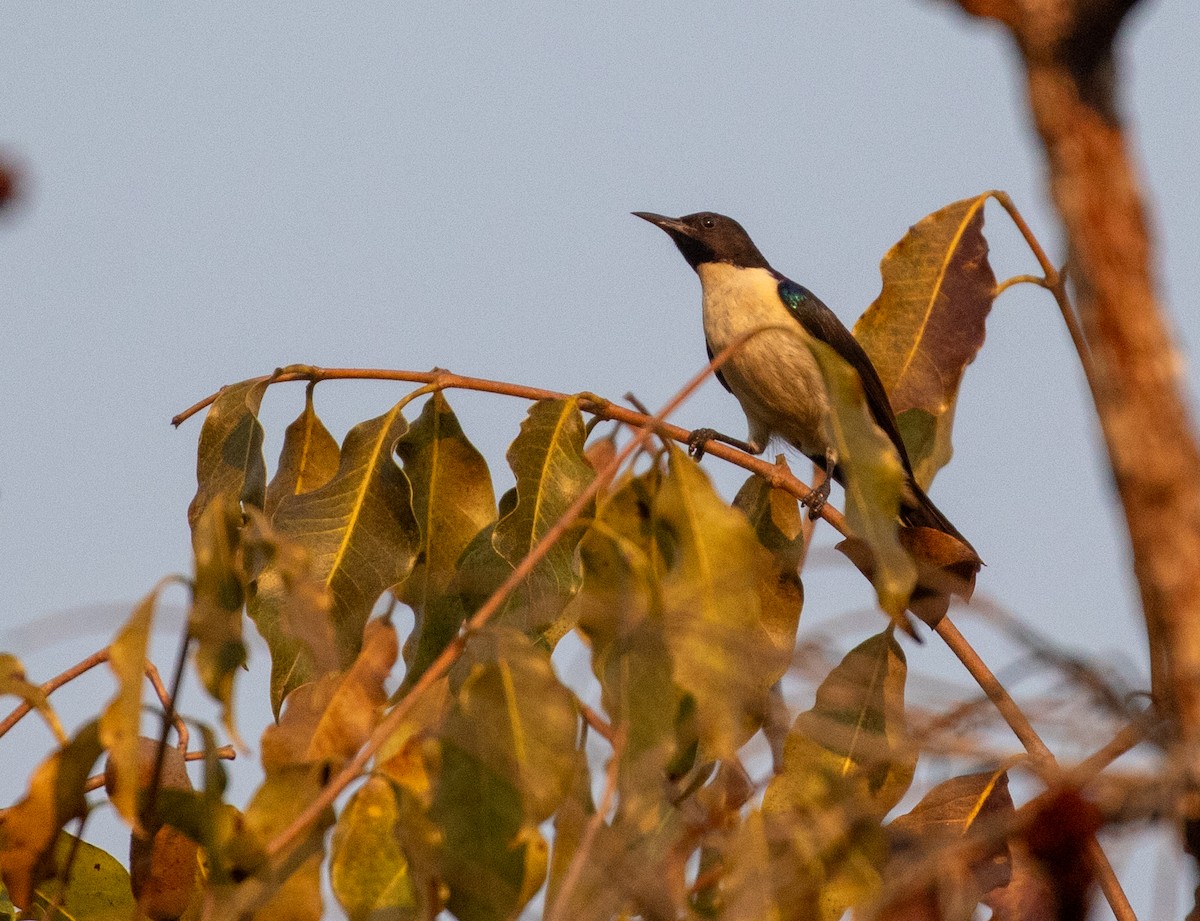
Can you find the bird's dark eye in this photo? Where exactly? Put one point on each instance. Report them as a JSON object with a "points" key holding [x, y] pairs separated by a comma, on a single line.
{"points": [[708, 223]]}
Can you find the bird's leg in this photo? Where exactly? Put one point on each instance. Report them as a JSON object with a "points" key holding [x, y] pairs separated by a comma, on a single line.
{"points": [[816, 498], [700, 437]]}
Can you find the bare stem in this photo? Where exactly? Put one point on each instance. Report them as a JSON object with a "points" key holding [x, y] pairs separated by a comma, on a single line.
{"points": [[53, 685]]}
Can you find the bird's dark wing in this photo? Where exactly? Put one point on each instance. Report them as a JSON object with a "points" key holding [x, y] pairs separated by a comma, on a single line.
{"points": [[720, 376], [822, 323]]}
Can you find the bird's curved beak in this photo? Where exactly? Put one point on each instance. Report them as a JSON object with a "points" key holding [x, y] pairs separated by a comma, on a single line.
{"points": [[669, 224]]}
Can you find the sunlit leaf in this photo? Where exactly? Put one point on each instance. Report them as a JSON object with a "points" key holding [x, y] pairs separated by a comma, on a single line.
{"points": [[292, 607], [927, 324], [97, 889], [847, 762], [358, 528], [856, 729], [29, 829], [14, 682], [229, 460], [874, 481], [218, 594], [453, 501], [551, 470], [120, 724], [368, 869], [308, 460], [709, 561]]}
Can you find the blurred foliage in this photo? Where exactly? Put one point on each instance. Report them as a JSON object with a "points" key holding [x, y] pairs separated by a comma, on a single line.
{"points": [[688, 606]]}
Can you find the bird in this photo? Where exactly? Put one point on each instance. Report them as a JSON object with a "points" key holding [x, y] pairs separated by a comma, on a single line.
{"points": [[774, 375]]}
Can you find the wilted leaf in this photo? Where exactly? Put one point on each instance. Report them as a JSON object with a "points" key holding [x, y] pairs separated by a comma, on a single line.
{"points": [[927, 324], [14, 682], [162, 859], [293, 610], [551, 470], [218, 593], [927, 835], [308, 460], [97, 889], [368, 869], [29, 829], [229, 460], [120, 724], [874, 481], [358, 528], [720, 652], [453, 501]]}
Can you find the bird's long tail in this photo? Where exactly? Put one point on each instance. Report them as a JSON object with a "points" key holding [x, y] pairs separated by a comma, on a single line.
{"points": [[917, 510]]}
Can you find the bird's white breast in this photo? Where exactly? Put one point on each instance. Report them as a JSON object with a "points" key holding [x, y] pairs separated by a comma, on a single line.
{"points": [[773, 375]]}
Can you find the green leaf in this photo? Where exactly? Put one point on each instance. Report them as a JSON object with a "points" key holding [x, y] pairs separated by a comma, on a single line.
{"points": [[619, 609], [368, 869], [229, 460], [928, 322], [29, 829], [292, 607], [709, 561], [358, 528], [120, 724], [218, 594], [507, 761], [453, 501], [97, 889], [308, 460], [855, 737], [551, 470], [875, 479]]}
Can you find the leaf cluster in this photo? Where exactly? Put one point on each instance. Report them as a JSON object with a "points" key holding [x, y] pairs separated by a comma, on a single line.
{"points": [[687, 604]]}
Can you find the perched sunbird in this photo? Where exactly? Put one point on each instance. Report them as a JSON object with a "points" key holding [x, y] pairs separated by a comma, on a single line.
{"points": [[774, 374]]}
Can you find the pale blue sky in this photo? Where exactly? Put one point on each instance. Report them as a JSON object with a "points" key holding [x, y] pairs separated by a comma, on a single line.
{"points": [[218, 189]]}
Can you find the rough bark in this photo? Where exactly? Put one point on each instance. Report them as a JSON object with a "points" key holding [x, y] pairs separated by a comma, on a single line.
{"points": [[1133, 364]]}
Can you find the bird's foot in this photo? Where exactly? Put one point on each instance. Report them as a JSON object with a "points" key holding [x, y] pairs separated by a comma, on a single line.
{"points": [[698, 439], [816, 499]]}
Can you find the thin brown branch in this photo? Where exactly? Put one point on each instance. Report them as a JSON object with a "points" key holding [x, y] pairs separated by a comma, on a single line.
{"points": [[225, 753], [596, 721], [181, 730], [776, 475], [79, 668], [1043, 759]]}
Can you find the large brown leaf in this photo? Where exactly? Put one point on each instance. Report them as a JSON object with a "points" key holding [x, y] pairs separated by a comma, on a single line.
{"points": [[927, 324]]}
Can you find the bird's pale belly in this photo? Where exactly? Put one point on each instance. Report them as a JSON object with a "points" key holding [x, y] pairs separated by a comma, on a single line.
{"points": [[774, 375]]}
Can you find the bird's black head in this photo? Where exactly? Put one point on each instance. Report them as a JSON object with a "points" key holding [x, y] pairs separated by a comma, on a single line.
{"points": [[709, 237]]}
